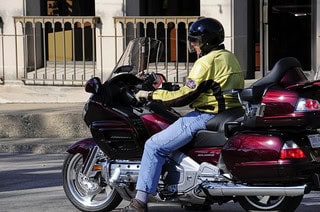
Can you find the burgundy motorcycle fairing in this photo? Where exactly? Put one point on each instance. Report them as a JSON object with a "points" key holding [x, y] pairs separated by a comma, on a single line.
{"points": [[82, 146], [154, 123], [122, 137], [255, 157], [127, 135], [206, 154], [280, 107], [276, 96]]}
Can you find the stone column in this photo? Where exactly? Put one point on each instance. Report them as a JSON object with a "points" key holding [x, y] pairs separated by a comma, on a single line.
{"points": [[8, 54], [106, 58], [315, 40], [233, 16]]}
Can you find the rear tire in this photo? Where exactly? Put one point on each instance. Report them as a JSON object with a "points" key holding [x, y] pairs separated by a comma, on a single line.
{"points": [[267, 203], [86, 194]]}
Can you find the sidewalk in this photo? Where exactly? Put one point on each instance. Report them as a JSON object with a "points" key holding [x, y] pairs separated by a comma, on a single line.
{"points": [[15, 92], [41, 119], [40, 127]]}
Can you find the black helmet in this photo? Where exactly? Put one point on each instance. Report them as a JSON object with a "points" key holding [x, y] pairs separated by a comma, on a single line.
{"points": [[208, 32]]}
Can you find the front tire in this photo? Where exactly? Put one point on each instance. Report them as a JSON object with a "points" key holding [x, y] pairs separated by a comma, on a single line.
{"points": [[267, 203], [84, 193]]}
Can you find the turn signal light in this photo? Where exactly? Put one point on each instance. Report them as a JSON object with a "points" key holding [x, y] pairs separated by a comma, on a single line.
{"points": [[97, 168]]}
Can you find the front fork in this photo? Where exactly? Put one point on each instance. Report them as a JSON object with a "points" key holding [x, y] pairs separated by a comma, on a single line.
{"points": [[90, 153], [89, 163]]}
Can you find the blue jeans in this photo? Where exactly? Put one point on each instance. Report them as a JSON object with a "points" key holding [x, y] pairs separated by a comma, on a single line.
{"points": [[162, 144]]}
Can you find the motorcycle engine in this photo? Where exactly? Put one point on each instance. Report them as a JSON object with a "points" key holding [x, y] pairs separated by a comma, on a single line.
{"points": [[121, 172], [180, 175]]}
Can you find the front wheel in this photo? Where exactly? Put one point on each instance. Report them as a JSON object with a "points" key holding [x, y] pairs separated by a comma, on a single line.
{"points": [[267, 203], [87, 194]]}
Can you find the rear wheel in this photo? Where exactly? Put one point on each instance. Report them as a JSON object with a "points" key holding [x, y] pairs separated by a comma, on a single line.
{"points": [[87, 194], [267, 203]]}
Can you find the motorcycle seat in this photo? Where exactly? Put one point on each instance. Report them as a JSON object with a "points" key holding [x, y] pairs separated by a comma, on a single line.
{"points": [[217, 123], [214, 134], [254, 93]]}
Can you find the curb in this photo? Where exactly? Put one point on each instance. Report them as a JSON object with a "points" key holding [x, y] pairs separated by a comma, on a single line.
{"points": [[42, 121], [35, 145]]}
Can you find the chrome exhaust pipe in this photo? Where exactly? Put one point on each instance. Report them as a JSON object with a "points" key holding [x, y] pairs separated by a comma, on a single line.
{"points": [[215, 189]]}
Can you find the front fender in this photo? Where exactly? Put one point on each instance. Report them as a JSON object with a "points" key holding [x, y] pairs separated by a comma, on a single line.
{"points": [[82, 146]]}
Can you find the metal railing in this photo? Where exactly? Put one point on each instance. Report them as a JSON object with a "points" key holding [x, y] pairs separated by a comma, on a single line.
{"points": [[1, 52], [56, 50], [62, 50]]}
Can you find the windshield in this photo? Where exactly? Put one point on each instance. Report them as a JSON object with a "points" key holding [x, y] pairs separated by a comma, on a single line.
{"points": [[140, 57]]}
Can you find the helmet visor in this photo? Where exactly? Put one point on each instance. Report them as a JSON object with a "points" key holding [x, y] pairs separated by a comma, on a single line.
{"points": [[191, 46], [193, 40]]}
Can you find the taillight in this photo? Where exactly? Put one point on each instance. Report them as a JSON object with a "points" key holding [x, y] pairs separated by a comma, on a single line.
{"points": [[290, 150], [307, 105], [292, 154]]}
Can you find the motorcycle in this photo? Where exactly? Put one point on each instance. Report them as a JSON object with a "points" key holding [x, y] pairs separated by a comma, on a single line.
{"points": [[264, 155]]}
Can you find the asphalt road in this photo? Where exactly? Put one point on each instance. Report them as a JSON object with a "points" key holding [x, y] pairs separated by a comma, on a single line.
{"points": [[32, 182]]}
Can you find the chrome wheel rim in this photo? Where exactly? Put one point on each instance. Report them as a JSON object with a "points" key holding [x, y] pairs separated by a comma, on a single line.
{"points": [[265, 202], [86, 191]]}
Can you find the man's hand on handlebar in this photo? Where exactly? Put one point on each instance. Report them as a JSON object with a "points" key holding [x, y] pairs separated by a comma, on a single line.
{"points": [[143, 95]]}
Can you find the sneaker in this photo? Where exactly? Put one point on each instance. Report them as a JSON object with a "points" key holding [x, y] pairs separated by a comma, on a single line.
{"points": [[136, 206]]}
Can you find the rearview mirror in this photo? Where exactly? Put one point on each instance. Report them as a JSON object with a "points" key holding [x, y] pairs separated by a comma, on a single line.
{"points": [[93, 85]]}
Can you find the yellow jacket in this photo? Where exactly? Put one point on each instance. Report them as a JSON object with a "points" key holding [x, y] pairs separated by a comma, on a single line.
{"points": [[211, 74]]}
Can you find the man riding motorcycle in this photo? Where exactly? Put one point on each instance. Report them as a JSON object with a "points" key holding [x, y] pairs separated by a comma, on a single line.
{"points": [[216, 70]]}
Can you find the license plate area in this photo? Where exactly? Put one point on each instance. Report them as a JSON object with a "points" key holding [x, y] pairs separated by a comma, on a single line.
{"points": [[314, 140]]}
